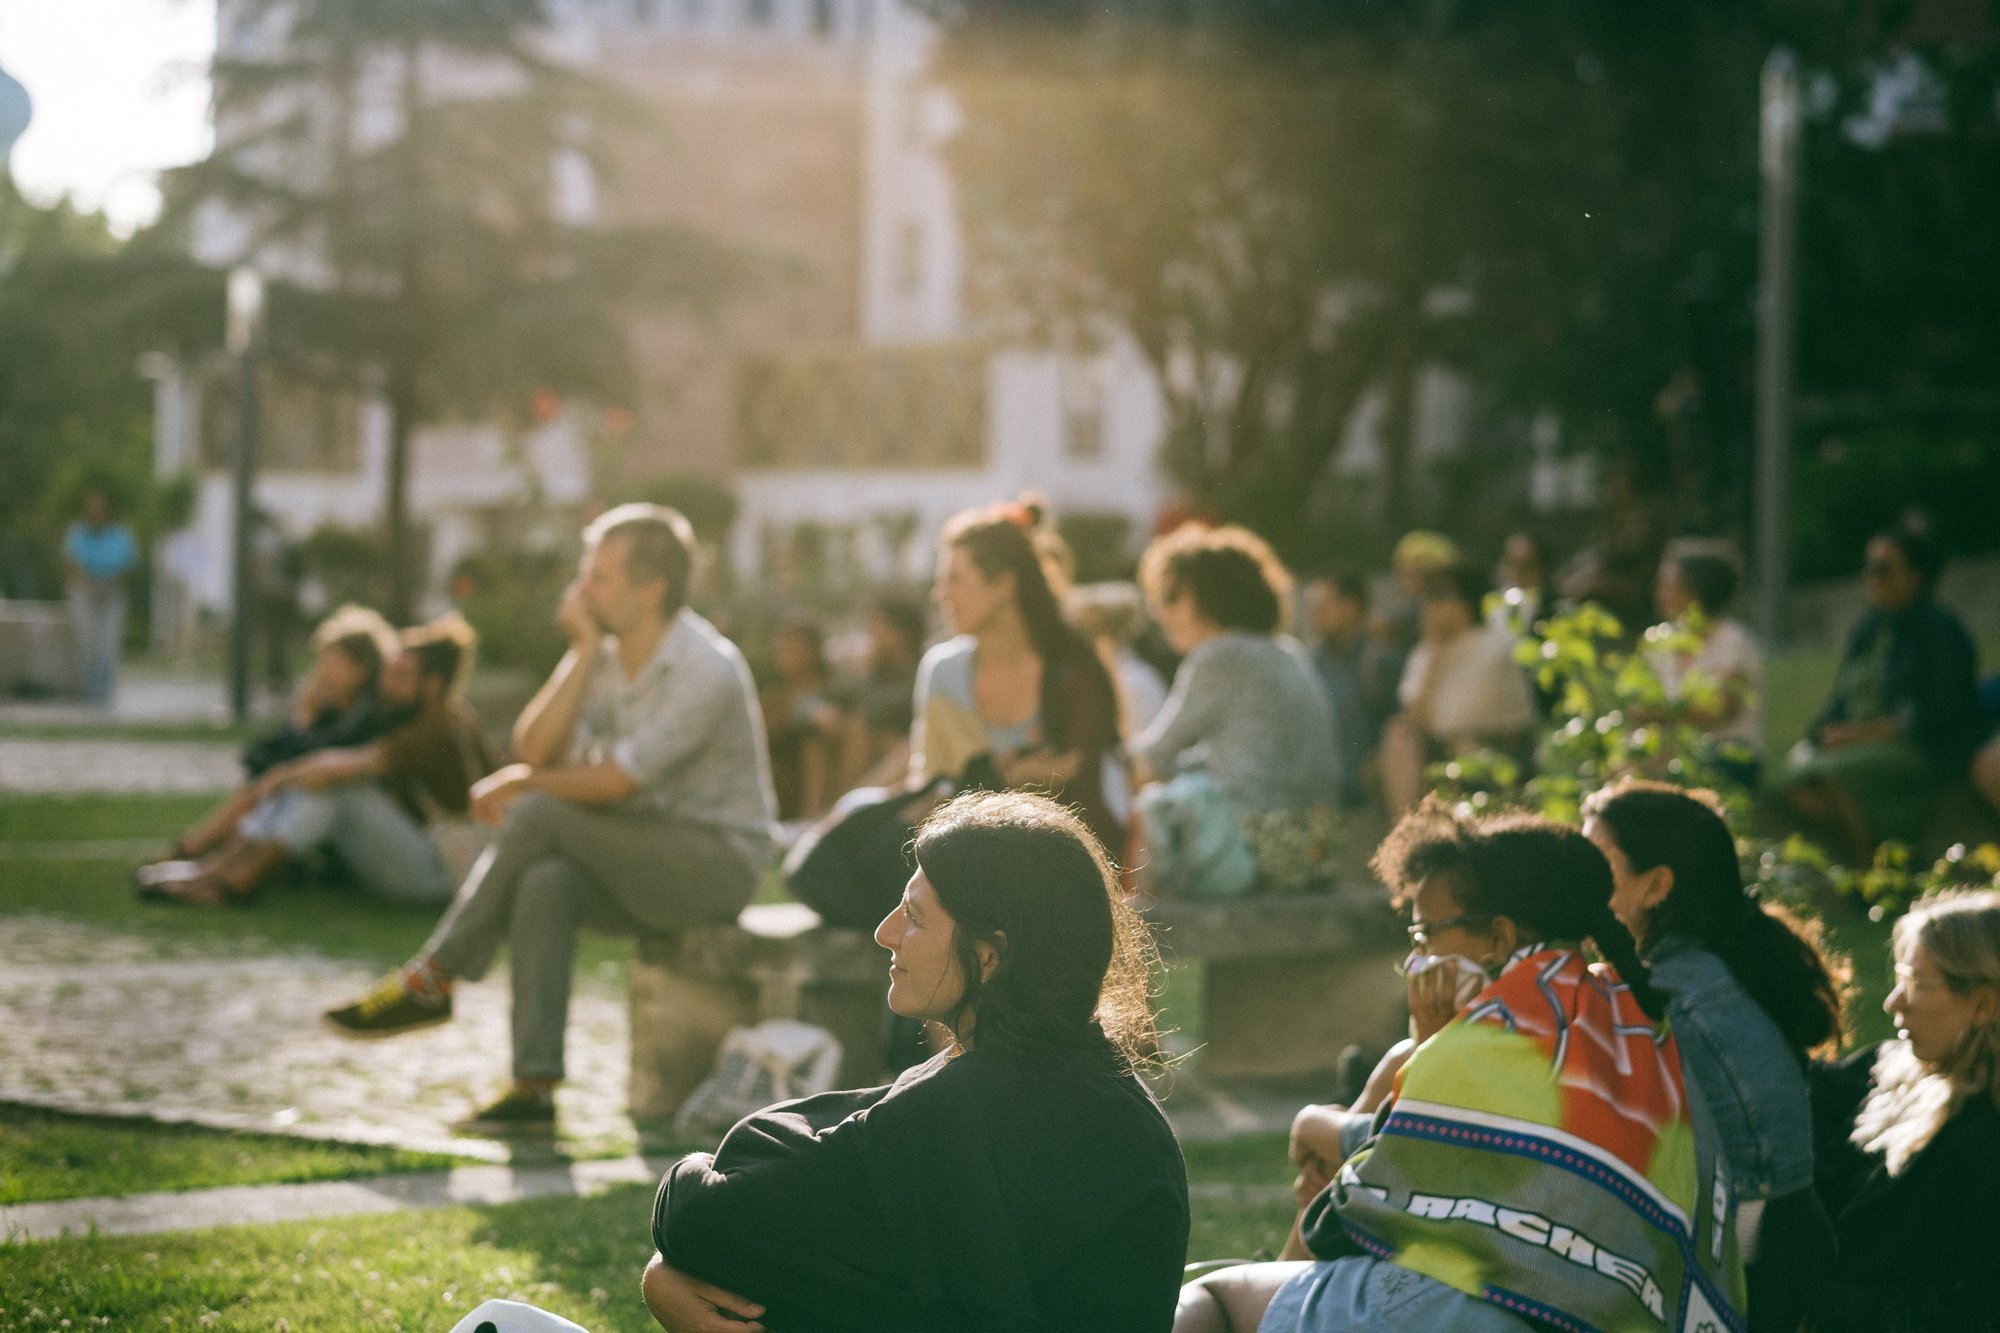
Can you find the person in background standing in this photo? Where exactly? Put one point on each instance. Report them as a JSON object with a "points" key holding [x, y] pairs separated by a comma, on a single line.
{"points": [[101, 555], [1358, 673]]}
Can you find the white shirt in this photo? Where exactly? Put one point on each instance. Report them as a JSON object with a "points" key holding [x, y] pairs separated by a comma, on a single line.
{"points": [[1479, 690], [1728, 656]]}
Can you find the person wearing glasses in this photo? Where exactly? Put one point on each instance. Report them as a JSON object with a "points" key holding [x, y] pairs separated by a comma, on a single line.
{"points": [[1541, 1160], [1904, 714]]}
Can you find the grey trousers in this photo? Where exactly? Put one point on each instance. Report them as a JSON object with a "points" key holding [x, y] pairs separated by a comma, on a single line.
{"points": [[100, 633], [388, 852], [558, 867]]}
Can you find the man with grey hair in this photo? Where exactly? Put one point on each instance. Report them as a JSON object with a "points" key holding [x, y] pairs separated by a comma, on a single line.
{"points": [[641, 802]]}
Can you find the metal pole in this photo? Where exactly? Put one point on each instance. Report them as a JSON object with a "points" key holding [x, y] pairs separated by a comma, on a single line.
{"points": [[244, 461], [246, 300], [1777, 235]]}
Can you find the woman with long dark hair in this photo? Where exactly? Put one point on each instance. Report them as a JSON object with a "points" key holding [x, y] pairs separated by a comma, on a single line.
{"points": [[1751, 997], [1017, 698], [1909, 1141], [1022, 1179], [1540, 1162]]}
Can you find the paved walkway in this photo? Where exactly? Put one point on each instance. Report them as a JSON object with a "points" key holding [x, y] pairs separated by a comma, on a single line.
{"points": [[99, 1020], [75, 767], [154, 698]]}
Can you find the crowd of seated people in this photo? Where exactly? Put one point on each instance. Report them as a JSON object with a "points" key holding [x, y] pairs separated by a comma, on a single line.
{"points": [[1619, 1106], [1419, 667], [1615, 1113]]}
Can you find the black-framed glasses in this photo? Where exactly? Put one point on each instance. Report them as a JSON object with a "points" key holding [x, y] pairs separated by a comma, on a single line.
{"points": [[1421, 931]]}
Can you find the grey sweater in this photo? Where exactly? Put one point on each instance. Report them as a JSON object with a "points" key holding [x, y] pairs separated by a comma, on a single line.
{"points": [[1248, 708]]}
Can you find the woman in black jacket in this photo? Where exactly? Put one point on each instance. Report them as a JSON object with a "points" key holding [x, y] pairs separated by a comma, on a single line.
{"points": [[1904, 714], [1022, 1180], [1908, 1138]]}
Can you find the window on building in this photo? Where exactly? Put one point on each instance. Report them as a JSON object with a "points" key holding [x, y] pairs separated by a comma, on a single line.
{"points": [[1084, 391], [302, 426]]}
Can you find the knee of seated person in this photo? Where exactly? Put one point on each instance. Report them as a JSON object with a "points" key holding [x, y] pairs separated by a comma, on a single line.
{"points": [[549, 880], [530, 814]]}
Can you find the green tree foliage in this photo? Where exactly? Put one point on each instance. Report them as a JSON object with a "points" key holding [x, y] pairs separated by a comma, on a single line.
{"points": [[1292, 203], [394, 162], [78, 310]]}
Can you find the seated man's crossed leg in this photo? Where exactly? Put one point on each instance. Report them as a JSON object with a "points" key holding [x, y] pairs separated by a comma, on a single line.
{"points": [[641, 802], [557, 867]]}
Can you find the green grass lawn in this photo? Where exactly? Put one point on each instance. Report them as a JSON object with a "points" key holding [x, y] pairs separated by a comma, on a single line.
{"points": [[29, 819], [578, 1257], [332, 920], [222, 733], [53, 1155]]}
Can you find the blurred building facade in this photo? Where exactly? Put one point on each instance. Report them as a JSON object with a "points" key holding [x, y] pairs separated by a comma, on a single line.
{"points": [[842, 389]]}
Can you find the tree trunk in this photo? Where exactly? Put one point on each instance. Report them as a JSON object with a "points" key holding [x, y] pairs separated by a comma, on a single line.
{"points": [[1399, 434]]}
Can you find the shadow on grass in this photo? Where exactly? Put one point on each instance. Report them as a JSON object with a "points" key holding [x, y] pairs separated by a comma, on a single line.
{"points": [[583, 1247]]}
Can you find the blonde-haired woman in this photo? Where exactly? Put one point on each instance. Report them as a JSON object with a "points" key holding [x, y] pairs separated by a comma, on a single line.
{"points": [[1909, 1137]]}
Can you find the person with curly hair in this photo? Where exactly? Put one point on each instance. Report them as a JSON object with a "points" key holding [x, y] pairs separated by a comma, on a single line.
{"points": [[1539, 1161], [1242, 757]]}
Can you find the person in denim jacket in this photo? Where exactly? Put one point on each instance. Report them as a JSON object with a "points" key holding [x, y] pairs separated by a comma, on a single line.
{"points": [[1750, 995]]}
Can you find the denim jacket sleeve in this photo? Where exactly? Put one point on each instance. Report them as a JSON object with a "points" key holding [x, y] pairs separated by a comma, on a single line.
{"points": [[1740, 1065]]}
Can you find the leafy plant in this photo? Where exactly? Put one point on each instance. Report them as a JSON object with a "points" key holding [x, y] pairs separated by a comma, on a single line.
{"points": [[1614, 717]]}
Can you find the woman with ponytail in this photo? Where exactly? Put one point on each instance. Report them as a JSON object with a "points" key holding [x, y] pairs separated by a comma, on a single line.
{"points": [[1909, 1137], [1540, 1162], [1018, 698], [1750, 994]]}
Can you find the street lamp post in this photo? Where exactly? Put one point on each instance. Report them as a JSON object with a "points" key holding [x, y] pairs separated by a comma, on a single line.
{"points": [[1777, 233], [246, 317]]}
